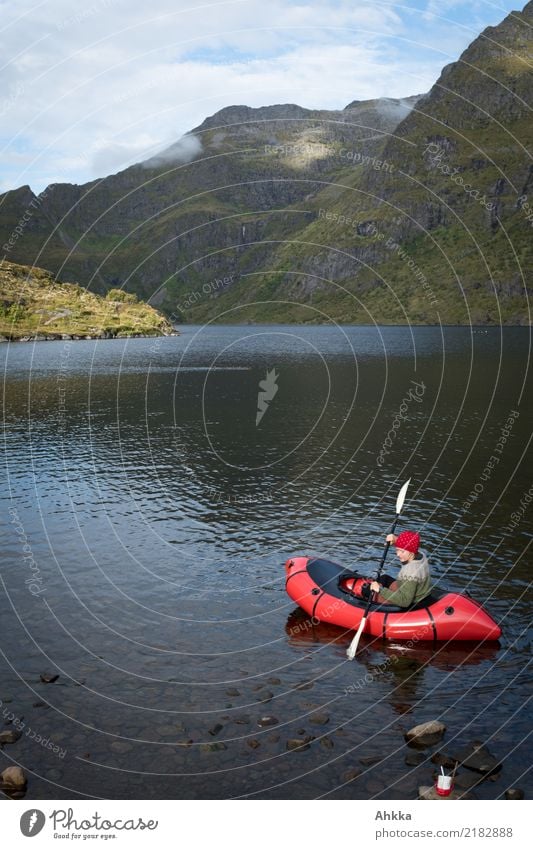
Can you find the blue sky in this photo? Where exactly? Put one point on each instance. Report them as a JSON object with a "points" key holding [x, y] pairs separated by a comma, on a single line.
{"points": [[91, 87]]}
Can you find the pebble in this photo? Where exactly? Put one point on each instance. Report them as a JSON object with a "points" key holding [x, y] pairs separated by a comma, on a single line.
{"points": [[275, 682], [297, 744], [425, 734], [216, 729], [319, 718], [327, 743], [266, 696], [13, 777], [351, 774], [9, 736], [242, 720], [253, 744], [370, 760], [514, 793], [232, 692], [303, 685], [48, 677], [267, 721]]}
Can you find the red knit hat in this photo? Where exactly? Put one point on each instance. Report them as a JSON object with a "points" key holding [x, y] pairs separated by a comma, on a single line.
{"points": [[409, 541]]}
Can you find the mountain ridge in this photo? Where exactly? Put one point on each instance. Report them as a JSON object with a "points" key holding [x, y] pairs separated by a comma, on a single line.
{"points": [[433, 193]]}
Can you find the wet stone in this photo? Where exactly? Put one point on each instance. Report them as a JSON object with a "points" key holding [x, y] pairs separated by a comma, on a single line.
{"points": [[121, 747], [48, 677], [274, 682], [429, 793], [370, 760], [327, 743], [267, 696], [319, 718], [298, 744], [13, 777], [232, 692], [216, 729], [274, 738], [267, 721], [213, 747], [426, 734], [303, 685], [478, 758], [242, 720], [351, 774], [10, 735], [253, 744], [466, 780], [442, 759], [514, 793]]}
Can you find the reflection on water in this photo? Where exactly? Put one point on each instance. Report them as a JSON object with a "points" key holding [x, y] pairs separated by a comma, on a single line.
{"points": [[158, 515]]}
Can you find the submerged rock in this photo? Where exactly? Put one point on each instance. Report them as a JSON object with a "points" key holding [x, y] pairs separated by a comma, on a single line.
{"points": [[442, 759], [213, 747], [10, 735], [267, 721], [514, 793], [327, 743], [48, 677], [216, 729], [425, 734], [414, 758], [253, 744], [299, 743], [232, 692], [274, 682], [351, 774], [319, 718], [478, 758]]}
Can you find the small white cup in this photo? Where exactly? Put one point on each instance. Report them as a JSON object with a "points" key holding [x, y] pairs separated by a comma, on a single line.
{"points": [[444, 782]]}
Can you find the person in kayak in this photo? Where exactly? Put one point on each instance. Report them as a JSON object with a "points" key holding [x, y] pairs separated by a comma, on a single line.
{"points": [[413, 582]]}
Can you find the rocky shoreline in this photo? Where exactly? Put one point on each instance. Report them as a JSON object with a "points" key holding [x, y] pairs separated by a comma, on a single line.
{"points": [[68, 337]]}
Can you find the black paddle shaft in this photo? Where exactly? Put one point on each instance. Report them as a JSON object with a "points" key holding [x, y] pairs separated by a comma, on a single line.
{"points": [[381, 564]]}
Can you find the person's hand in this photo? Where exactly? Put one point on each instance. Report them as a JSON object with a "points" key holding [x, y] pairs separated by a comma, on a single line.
{"points": [[391, 538], [375, 587]]}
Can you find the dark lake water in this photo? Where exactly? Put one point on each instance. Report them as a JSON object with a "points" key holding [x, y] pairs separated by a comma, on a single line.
{"points": [[146, 518]]}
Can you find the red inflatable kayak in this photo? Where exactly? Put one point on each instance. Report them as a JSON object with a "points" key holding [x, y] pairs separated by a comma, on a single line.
{"points": [[329, 593]]}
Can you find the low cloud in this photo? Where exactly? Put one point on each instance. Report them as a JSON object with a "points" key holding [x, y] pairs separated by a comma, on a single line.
{"points": [[184, 150]]}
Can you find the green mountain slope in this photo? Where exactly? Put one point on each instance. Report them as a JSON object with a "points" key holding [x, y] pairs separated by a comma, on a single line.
{"points": [[389, 211]]}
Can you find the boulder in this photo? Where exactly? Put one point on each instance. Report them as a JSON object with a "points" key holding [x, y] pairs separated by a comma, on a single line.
{"points": [[426, 734], [13, 777]]}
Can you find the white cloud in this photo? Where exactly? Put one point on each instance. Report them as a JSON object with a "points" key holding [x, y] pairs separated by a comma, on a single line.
{"points": [[90, 87]]}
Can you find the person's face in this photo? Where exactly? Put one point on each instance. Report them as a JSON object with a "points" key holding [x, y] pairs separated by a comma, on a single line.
{"points": [[403, 555]]}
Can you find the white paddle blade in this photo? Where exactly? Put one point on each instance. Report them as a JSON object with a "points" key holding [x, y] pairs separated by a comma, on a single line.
{"points": [[352, 648], [401, 497]]}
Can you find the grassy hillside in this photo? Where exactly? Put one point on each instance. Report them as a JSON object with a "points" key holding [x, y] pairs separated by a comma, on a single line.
{"points": [[35, 305]]}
